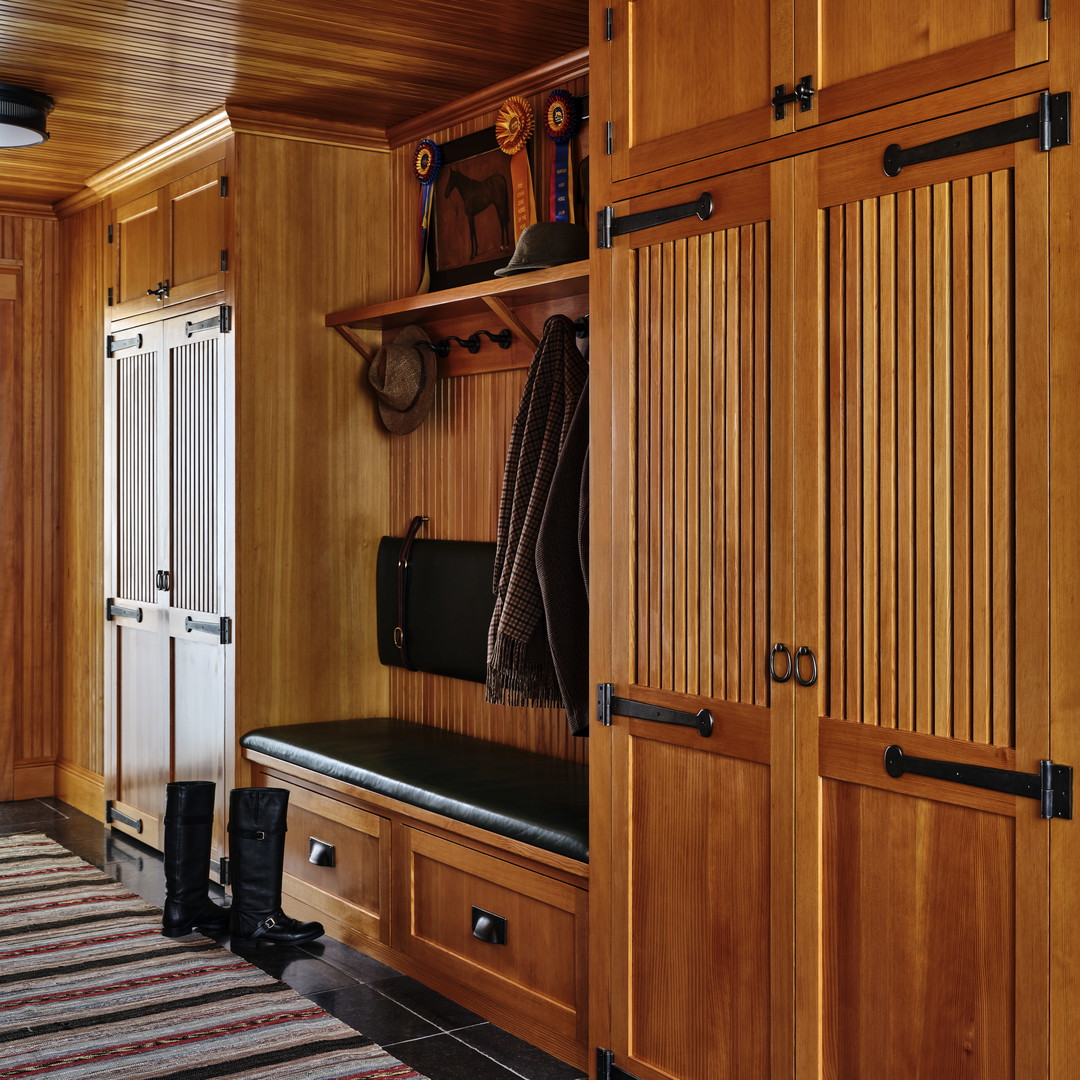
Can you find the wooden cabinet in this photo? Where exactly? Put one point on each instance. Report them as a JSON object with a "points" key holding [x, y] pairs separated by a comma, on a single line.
{"points": [[167, 383], [168, 245], [830, 470], [220, 504], [688, 86]]}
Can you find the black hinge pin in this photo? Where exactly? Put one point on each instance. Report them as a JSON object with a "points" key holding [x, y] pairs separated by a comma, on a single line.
{"points": [[224, 259], [609, 138], [110, 234], [609, 23], [224, 187]]}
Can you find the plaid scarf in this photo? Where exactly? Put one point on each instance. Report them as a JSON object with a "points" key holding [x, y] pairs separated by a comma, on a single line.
{"points": [[520, 667]]}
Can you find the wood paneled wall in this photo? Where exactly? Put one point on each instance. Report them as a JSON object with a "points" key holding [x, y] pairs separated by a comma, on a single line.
{"points": [[29, 587], [81, 502], [451, 467]]}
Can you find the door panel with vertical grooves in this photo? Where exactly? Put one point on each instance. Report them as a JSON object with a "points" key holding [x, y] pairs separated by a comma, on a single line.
{"points": [[921, 469], [702, 445], [196, 464], [137, 403]]}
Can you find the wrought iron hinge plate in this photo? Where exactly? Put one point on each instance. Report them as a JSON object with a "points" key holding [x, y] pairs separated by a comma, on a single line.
{"points": [[606, 1069], [112, 814], [608, 705], [609, 226], [1046, 11], [609, 138], [115, 344], [116, 611], [110, 234], [609, 23], [1051, 785], [224, 259], [1051, 125], [225, 314], [222, 627], [110, 296], [224, 187]]}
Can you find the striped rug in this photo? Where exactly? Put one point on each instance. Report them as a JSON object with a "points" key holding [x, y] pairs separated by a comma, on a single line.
{"points": [[89, 988]]}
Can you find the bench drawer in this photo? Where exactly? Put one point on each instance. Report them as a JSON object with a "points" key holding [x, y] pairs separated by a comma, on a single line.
{"points": [[538, 970], [349, 878]]}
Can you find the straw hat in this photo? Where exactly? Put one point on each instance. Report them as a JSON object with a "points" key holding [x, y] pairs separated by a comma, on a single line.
{"points": [[402, 374]]}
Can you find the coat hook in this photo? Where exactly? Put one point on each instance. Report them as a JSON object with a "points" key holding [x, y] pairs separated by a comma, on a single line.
{"points": [[581, 326], [502, 338]]}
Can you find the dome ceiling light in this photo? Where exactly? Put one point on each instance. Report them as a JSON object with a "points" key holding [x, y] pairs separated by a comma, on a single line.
{"points": [[22, 116]]}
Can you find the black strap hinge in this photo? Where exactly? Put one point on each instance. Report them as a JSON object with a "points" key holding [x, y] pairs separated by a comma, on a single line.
{"points": [[222, 628], [116, 344], [112, 814], [606, 1069], [1051, 785], [608, 705], [1051, 125], [609, 226], [116, 611]]}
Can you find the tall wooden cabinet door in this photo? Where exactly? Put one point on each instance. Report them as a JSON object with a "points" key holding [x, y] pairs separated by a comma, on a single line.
{"points": [[138, 241], [199, 363], [690, 881], [922, 531], [693, 81], [863, 54], [138, 735], [194, 215]]}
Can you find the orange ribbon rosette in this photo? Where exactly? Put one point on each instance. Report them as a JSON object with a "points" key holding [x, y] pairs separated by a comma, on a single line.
{"points": [[514, 125]]}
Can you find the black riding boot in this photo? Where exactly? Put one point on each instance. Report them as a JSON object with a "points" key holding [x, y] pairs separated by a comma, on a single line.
{"points": [[189, 826], [256, 859]]}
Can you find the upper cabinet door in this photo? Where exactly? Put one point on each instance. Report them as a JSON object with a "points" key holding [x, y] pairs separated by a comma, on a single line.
{"points": [[169, 244], [681, 88], [195, 235], [863, 54]]}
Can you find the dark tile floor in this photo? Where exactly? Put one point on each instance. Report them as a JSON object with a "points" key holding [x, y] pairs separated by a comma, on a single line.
{"points": [[439, 1038]]}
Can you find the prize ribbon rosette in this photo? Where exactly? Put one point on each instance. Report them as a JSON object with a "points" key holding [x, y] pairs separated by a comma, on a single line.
{"points": [[562, 116], [514, 127], [428, 161]]}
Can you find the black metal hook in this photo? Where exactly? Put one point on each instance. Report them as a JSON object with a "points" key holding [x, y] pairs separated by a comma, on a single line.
{"points": [[581, 326], [472, 343], [502, 338]]}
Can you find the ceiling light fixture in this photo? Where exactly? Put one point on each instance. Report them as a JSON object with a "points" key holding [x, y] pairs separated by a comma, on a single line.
{"points": [[22, 116]]}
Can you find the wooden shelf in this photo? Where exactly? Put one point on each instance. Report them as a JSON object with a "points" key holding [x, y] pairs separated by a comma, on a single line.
{"points": [[499, 296]]}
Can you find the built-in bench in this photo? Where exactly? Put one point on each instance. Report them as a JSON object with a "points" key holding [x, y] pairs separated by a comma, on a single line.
{"points": [[461, 861]]}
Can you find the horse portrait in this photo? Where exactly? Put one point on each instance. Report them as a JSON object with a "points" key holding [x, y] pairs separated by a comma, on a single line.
{"points": [[473, 215]]}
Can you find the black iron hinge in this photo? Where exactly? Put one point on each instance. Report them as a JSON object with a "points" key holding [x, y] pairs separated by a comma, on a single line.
{"points": [[222, 627], [1051, 785], [224, 259], [609, 138], [606, 1069], [115, 344], [1046, 11], [608, 705], [1051, 125], [224, 187], [118, 611], [110, 296], [609, 23], [609, 226], [226, 318], [110, 234], [112, 814]]}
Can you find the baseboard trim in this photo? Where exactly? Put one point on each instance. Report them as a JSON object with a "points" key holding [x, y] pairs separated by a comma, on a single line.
{"points": [[81, 788]]}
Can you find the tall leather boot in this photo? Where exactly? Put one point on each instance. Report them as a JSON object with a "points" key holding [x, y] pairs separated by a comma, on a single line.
{"points": [[256, 860], [189, 826]]}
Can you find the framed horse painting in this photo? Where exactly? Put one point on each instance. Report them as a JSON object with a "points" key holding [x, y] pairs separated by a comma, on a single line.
{"points": [[474, 226]]}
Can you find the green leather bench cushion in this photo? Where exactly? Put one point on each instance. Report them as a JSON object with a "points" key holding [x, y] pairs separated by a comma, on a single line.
{"points": [[530, 797]]}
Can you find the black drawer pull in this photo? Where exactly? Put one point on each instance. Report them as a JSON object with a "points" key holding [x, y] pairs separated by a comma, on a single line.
{"points": [[488, 927], [320, 853]]}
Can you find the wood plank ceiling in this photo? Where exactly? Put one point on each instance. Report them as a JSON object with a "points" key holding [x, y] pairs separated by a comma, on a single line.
{"points": [[125, 73]]}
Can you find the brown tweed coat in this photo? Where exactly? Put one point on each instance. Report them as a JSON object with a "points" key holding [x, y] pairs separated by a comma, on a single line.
{"points": [[520, 666]]}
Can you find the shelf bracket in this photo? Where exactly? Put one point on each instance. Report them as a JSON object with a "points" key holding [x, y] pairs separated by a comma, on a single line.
{"points": [[510, 319], [361, 346]]}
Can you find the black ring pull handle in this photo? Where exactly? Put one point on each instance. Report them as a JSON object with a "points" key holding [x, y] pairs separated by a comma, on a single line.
{"points": [[800, 653], [780, 649]]}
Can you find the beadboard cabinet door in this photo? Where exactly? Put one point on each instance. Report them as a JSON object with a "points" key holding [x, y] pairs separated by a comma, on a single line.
{"points": [[167, 650]]}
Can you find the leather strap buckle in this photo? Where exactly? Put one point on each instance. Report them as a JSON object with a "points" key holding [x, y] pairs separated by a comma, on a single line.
{"points": [[403, 587]]}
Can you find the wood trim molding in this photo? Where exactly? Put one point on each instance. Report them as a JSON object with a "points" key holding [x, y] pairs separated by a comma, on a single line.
{"points": [[81, 788], [250, 120], [24, 208], [571, 66], [206, 131], [34, 780]]}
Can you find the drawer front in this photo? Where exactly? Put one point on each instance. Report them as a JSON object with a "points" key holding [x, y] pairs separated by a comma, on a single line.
{"points": [[337, 859], [528, 951]]}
